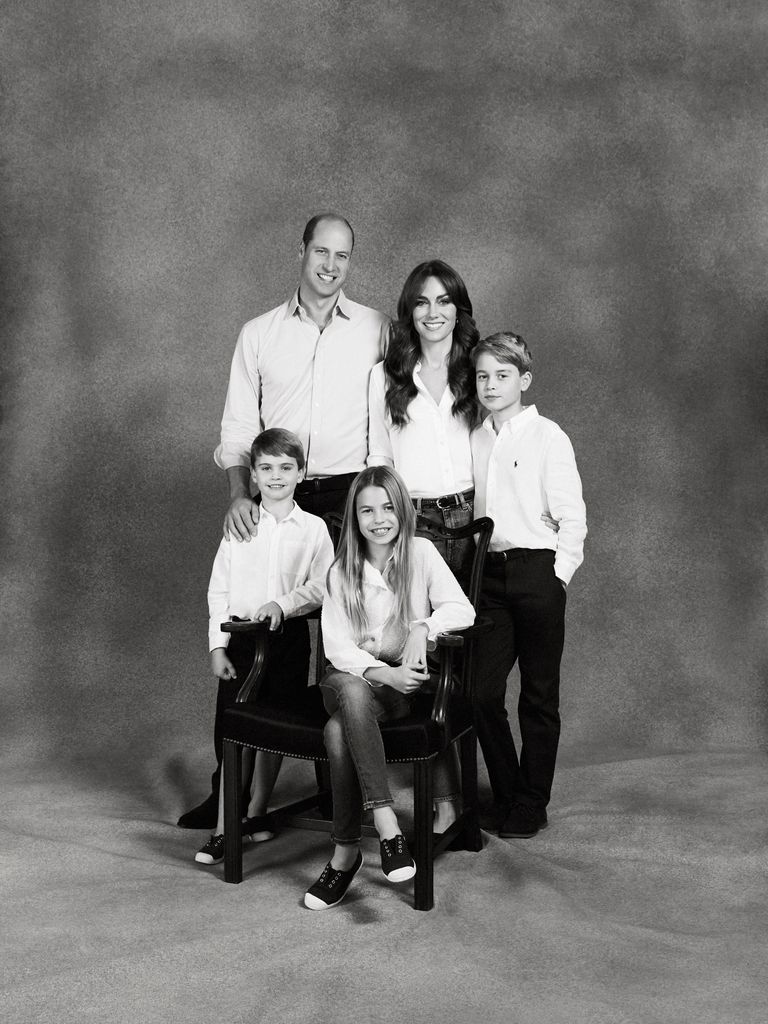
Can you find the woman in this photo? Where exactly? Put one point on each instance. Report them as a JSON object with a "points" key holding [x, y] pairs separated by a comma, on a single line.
{"points": [[389, 595], [422, 403]]}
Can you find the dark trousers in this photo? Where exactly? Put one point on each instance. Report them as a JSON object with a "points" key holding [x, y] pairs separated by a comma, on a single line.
{"points": [[284, 684], [526, 603]]}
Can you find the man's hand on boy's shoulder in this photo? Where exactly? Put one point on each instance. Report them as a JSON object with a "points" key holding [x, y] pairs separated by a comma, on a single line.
{"points": [[272, 611], [242, 519]]}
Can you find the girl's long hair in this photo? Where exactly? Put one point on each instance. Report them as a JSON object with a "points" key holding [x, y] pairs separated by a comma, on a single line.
{"points": [[404, 348], [350, 555]]}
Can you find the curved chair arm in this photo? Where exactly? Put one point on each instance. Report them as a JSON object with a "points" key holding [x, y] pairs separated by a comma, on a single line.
{"points": [[260, 630], [447, 643]]}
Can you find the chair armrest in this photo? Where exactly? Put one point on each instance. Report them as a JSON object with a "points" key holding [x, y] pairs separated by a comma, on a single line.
{"points": [[256, 673], [447, 643]]}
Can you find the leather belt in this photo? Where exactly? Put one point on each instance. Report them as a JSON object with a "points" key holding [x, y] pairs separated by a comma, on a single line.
{"points": [[444, 501], [318, 484]]}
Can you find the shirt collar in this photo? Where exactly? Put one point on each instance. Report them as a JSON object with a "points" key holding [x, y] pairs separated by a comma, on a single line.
{"points": [[295, 308], [514, 425], [373, 576], [296, 514]]}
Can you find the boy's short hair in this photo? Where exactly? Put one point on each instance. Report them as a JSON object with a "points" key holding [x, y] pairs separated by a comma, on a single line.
{"points": [[507, 348], [277, 441]]}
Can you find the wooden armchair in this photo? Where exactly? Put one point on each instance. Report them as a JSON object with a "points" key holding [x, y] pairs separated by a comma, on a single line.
{"points": [[437, 720]]}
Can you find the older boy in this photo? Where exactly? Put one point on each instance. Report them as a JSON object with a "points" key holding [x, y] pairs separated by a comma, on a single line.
{"points": [[525, 469], [280, 574]]}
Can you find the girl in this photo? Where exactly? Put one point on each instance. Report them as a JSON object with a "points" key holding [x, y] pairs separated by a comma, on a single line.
{"points": [[389, 595], [422, 403]]}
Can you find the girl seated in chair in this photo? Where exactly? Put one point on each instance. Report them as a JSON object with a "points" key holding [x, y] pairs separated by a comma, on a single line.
{"points": [[389, 595]]}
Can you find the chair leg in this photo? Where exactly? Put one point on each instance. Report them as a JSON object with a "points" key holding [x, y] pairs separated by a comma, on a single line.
{"points": [[468, 745], [423, 887], [233, 840]]}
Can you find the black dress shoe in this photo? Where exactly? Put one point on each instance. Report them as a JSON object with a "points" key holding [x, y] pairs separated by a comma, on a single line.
{"points": [[457, 843], [523, 821], [202, 816]]}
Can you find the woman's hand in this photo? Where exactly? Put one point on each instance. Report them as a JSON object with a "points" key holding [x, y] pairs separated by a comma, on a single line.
{"points": [[415, 650], [221, 666]]}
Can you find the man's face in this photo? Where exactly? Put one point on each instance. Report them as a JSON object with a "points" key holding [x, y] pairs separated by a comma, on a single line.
{"points": [[325, 260]]}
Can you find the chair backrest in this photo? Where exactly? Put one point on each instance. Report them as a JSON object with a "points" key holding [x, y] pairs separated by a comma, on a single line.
{"points": [[481, 531]]}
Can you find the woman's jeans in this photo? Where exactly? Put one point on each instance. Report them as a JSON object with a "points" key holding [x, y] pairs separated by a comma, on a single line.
{"points": [[457, 553], [356, 751]]}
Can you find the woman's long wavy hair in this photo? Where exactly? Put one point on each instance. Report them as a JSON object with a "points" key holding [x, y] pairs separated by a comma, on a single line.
{"points": [[351, 552], [404, 348]]}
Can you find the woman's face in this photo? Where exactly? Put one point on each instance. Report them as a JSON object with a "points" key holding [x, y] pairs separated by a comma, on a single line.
{"points": [[434, 315], [376, 517]]}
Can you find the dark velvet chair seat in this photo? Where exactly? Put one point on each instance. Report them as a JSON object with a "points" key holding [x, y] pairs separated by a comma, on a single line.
{"points": [[298, 732]]}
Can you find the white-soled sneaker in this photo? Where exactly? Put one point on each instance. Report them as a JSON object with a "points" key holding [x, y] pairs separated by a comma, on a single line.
{"points": [[331, 887]]}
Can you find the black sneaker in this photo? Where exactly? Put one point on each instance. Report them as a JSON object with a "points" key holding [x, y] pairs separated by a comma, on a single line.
{"points": [[522, 821], [396, 862], [212, 852], [258, 829], [331, 887]]}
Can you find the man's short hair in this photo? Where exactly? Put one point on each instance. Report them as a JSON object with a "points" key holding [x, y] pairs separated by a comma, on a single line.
{"points": [[312, 223], [507, 348], [277, 441]]}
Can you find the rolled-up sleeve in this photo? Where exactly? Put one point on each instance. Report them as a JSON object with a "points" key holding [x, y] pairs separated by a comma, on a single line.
{"points": [[241, 421], [379, 443], [450, 606]]}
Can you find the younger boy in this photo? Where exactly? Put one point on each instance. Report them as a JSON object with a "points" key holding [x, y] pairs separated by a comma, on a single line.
{"points": [[278, 575], [525, 473]]}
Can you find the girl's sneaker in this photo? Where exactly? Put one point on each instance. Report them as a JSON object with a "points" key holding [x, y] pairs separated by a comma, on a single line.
{"points": [[396, 862], [331, 887], [212, 852]]}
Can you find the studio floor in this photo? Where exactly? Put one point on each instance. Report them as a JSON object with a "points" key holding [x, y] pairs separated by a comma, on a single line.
{"points": [[646, 900]]}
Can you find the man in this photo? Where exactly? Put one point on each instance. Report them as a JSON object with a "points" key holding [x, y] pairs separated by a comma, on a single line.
{"points": [[303, 366]]}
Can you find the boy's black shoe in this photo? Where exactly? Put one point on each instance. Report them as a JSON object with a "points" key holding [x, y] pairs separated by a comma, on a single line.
{"points": [[331, 887], [396, 862], [202, 816], [522, 821]]}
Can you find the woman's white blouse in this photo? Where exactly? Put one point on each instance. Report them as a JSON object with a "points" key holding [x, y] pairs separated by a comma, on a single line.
{"points": [[431, 452], [436, 599]]}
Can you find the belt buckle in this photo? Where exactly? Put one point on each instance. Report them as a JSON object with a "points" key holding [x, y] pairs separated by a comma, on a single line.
{"points": [[444, 508]]}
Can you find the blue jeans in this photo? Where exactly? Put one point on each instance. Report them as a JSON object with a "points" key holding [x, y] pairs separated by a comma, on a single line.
{"points": [[356, 751], [457, 553]]}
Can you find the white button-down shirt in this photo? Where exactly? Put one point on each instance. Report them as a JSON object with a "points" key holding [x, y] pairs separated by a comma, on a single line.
{"points": [[288, 373], [436, 599], [285, 562], [431, 452], [526, 469]]}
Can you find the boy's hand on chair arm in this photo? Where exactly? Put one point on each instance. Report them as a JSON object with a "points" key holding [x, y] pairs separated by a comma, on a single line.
{"points": [[272, 611], [221, 666]]}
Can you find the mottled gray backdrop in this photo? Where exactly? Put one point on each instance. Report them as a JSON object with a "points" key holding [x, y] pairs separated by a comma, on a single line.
{"points": [[596, 170]]}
